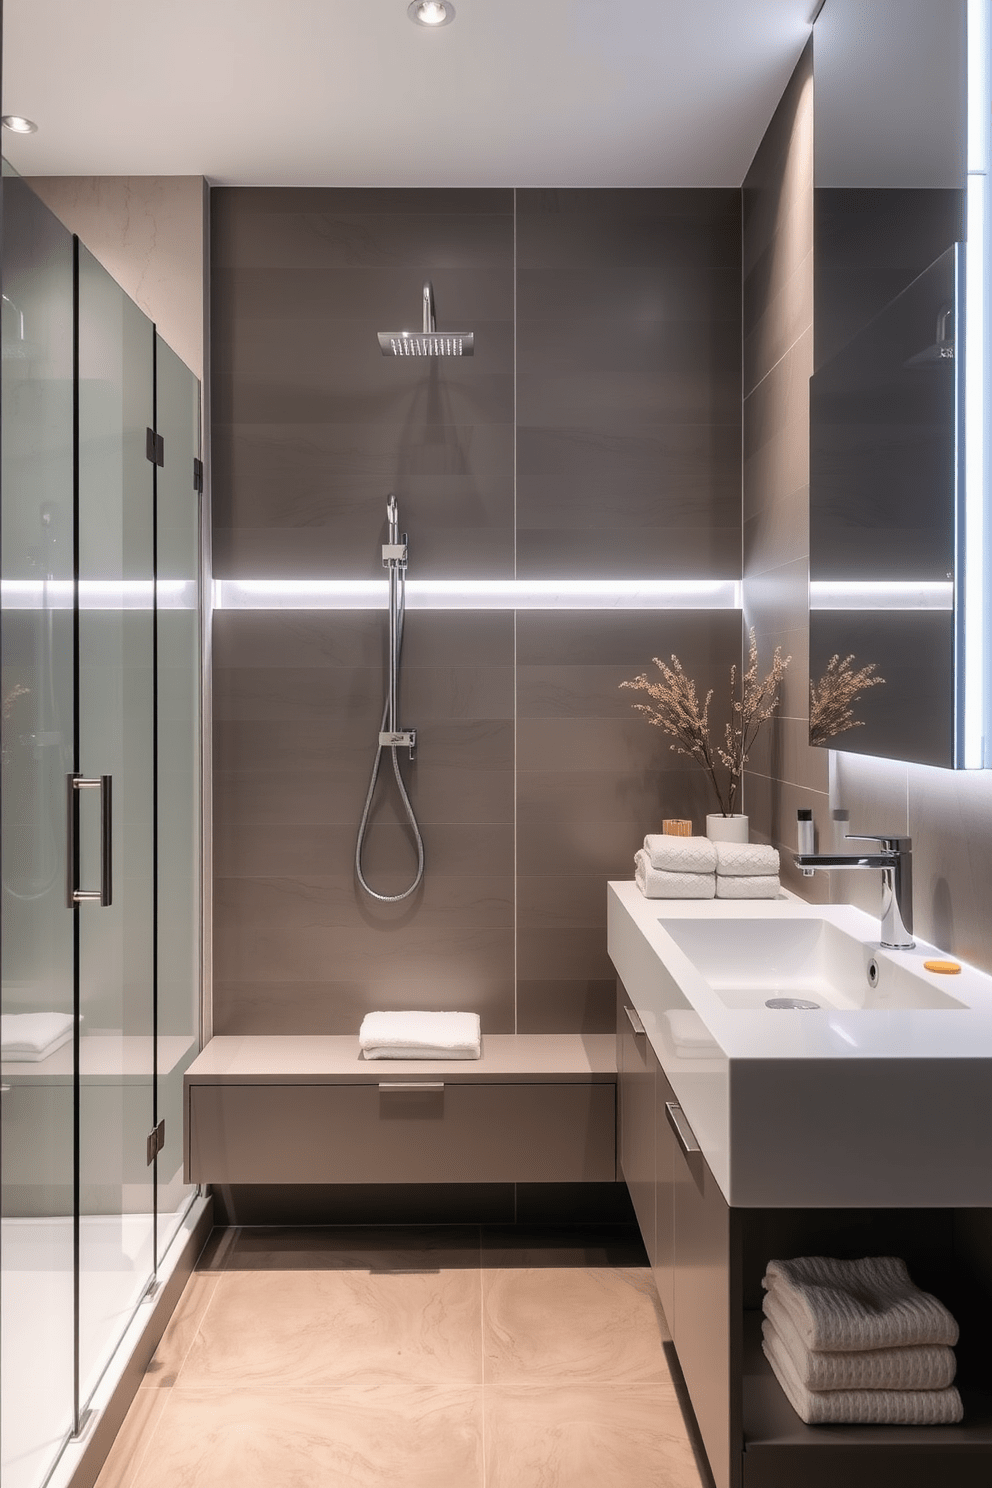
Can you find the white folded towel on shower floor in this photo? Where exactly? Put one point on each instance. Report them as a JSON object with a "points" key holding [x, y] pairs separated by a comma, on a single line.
{"points": [[859, 1407], [745, 859], [659, 883], [680, 854], [421, 1035], [28, 1038], [736, 886], [843, 1306], [925, 1367]]}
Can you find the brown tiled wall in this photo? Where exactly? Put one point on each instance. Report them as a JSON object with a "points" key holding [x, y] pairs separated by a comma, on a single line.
{"points": [[596, 432]]}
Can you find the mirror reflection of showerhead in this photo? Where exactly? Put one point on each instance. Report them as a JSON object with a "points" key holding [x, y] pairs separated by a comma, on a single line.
{"points": [[941, 353], [430, 342]]}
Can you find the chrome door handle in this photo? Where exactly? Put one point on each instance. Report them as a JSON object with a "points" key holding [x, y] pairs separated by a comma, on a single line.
{"points": [[105, 893], [634, 1020], [681, 1128]]}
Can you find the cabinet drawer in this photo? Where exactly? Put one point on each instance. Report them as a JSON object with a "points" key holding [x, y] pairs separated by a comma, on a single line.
{"points": [[485, 1133]]}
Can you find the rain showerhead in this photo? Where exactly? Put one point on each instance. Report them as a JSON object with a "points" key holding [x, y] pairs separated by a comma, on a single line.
{"points": [[430, 342]]}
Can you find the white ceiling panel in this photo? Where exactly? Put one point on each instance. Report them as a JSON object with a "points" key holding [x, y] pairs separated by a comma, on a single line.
{"points": [[349, 92]]}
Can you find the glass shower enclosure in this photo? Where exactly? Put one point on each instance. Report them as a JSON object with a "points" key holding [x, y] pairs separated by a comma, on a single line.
{"points": [[100, 820]]}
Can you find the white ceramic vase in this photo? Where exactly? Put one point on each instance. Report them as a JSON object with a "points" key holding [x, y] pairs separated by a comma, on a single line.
{"points": [[726, 828]]}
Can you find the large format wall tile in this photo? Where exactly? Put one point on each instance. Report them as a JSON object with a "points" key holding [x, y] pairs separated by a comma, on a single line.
{"points": [[596, 433]]}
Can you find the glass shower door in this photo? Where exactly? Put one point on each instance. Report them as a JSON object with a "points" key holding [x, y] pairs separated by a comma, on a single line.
{"points": [[116, 738], [177, 516], [36, 1231]]}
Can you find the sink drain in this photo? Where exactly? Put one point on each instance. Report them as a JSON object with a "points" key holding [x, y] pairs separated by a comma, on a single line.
{"points": [[799, 1003]]}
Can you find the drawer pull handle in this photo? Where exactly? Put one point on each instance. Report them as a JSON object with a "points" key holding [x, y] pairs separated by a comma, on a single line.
{"points": [[634, 1021], [411, 1084], [681, 1128]]}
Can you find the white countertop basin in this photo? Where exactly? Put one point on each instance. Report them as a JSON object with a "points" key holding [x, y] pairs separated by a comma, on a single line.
{"points": [[881, 1096]]}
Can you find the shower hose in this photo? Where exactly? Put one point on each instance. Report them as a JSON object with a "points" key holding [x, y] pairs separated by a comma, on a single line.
{"points": [[397, 616]]}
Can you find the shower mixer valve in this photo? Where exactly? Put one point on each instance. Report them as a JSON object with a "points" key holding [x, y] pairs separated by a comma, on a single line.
{"points": [[394, 554]]}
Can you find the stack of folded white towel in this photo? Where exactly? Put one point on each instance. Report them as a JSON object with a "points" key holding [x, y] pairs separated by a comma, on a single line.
{"points": [[28, 1038], [676, 867], [858, 1342], [696, 868], [746, 870], [418, 1035]]}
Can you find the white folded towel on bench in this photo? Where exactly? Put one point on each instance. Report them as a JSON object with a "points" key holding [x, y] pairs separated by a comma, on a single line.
{"points": [[859, 1407], [660, 883], [735, 886], [680, 854], [843, 1306], [28, 1038], [926, 1367], [745, 859], [421, 1035]]}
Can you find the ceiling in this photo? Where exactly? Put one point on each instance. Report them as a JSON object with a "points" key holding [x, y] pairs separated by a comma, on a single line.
{"points": [[349, 92]]}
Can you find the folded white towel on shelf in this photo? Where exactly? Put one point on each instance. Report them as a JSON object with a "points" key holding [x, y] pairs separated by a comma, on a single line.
{"points": [[658, 883], [928, 1367], [421, 1035], [680, 854], [842, 1306], [689, 1034], [859, 1407], [735, 886], [745, 859], [27, 1038]]}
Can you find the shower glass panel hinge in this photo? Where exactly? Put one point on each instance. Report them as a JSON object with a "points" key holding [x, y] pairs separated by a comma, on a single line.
{"points": [[156, 1141], [198, 475], [154, 447]]}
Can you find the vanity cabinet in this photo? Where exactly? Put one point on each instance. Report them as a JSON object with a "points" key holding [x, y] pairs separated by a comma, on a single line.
{"points": [[637, 1072], [708, 1259]]}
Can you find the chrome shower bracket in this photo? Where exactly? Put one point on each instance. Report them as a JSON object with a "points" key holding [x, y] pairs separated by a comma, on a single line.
{"points": [[399, 739], [394, 554]]}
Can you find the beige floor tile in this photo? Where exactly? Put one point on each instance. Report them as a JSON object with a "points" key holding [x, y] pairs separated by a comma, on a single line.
{"points": [[308, 1329], [354, 1247], [182, 1329], [556, 1326], [132, 1441], [587, 1436], [417, 1437]]}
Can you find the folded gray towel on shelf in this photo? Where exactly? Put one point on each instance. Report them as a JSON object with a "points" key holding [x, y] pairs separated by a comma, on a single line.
{"points": [[680, 854], [745, 859], [656, 883], [844, 1306], [859, 1407], [764, 886], [420, 1035], [927, 1367]]}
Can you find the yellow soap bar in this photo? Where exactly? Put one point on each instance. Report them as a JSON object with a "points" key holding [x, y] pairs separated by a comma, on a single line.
{"points": [[947, 967]]}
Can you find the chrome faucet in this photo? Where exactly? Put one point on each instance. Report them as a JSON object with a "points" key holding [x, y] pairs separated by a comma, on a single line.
{"points": [[895, 858]]}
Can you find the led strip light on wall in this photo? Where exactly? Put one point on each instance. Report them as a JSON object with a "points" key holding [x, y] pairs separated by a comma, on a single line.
{"points": [[838, 594], [480, 594]]}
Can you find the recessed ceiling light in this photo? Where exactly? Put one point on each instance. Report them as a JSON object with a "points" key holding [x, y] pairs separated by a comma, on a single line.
{"points": [[18, 124], [431, 12]]}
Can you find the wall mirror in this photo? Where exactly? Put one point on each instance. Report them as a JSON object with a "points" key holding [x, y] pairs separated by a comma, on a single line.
{"points": [[898, 535]]}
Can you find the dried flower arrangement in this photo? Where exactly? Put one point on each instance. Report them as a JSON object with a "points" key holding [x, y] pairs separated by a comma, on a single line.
{"points": [[830, 699], [676, 709]]}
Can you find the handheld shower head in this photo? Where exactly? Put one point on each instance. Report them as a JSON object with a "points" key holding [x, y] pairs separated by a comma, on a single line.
{"points": [[430, 342]]}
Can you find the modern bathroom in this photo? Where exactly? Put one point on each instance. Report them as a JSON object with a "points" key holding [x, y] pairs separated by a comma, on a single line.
{"points": [[417, 1066]]}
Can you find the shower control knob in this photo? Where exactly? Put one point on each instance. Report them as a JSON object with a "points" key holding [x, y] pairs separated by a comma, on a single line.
{"points": [[398, 739]]}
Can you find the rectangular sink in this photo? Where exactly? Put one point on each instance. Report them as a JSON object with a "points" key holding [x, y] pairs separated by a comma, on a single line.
{"points": [[750, 963]]}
